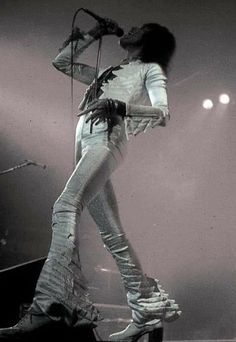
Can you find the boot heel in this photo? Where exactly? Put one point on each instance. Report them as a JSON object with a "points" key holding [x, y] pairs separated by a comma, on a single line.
{"points": [[156, 335]]}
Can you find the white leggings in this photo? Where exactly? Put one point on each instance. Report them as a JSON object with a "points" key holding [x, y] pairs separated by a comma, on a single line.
{"points": [[61, 290]]}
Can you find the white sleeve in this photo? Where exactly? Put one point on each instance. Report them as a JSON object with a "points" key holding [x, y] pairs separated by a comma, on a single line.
{"points": [[155, 83], [81, 72]]}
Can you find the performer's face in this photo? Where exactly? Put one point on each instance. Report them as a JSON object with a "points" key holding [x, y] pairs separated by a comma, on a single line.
{"points": [[132, 39]]}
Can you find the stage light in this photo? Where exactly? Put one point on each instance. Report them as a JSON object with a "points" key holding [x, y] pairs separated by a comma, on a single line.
{"points": [[224, 98], [207, 104]]}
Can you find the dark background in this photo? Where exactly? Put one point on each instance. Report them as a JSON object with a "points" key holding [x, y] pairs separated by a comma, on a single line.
{"points": [[176, 189]]}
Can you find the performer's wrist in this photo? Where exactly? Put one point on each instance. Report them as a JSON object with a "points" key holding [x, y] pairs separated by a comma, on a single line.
{"points": [[75, 35], [120, 108], [97, 31]]}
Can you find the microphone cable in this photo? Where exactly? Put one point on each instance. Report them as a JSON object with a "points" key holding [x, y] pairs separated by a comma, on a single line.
{"points": [[98, 60]]}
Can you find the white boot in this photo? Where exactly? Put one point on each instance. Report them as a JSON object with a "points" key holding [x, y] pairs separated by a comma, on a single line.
{"points": [[134, 331]]}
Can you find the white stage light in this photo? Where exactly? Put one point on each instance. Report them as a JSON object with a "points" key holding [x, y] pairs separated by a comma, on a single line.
{"points": [[224, 98], [207, 104]]}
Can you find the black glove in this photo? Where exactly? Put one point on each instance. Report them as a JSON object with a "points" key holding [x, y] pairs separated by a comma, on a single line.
{"points": [[107, 27], [75, 35], [104, 110]]}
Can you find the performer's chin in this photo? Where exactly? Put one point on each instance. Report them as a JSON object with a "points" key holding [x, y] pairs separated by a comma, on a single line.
{"points": [[124, 41], [130, 41]]}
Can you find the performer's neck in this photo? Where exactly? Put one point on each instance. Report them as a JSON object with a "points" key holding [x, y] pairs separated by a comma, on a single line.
{"points": [[133, 54]]}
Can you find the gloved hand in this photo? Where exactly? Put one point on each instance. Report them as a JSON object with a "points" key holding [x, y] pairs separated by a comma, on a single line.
{"points": [[108, 27], [104, 110], [75, 35]]}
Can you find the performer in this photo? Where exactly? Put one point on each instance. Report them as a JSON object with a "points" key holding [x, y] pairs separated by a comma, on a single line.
{"points": [[131, 97]]}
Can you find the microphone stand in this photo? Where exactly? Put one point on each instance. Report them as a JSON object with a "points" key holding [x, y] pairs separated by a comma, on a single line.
{"points": [[19, 166]]}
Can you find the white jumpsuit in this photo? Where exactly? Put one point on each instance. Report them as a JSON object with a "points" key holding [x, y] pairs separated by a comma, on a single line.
{"points": [[61, 290]]}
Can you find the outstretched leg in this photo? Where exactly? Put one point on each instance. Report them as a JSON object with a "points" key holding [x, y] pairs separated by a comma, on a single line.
{"points": [[61, 291]]}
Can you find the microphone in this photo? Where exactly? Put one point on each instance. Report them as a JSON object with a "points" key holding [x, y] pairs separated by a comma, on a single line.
{"points": [[117, 30]]}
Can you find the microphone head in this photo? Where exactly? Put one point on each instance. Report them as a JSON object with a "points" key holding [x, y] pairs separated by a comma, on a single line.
{"points": [[119, 32]]}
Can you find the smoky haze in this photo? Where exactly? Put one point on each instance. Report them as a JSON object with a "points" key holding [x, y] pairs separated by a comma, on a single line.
{"points": [[176, 188]]}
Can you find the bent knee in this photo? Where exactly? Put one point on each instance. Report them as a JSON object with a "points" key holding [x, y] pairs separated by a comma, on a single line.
{"points": [[67, 204]]}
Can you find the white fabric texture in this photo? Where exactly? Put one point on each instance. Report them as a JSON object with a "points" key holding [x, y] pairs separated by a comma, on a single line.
{"points": [[142, 86], [61, 290]]}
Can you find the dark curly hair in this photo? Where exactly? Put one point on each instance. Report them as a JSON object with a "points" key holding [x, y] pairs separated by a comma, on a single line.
{"points": [[158, 45]]}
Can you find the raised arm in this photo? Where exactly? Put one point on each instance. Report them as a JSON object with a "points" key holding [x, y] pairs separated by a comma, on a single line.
{"points": [[81, 72]]}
